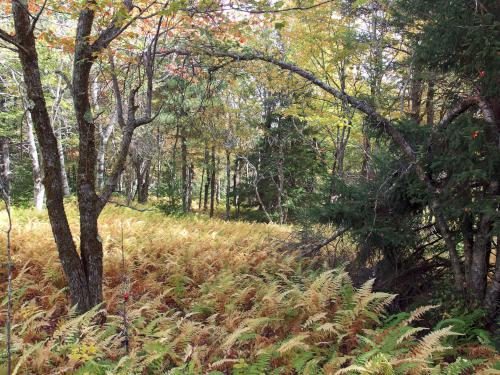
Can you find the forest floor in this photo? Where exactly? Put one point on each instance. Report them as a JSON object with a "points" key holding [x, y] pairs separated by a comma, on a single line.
{"points": [[209, 297]]}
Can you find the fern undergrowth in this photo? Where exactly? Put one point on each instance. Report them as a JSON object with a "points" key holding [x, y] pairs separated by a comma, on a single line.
{"points": [[212, 297]]}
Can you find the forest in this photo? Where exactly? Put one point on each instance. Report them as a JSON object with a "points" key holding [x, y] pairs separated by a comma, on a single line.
{"points": [[250, 187]]}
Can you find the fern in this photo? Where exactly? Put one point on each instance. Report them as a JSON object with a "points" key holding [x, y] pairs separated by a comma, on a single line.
{"points": [[218, 304]]}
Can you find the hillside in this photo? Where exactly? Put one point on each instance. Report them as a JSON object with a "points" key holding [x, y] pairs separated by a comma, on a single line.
{"points": [[208, 296]]}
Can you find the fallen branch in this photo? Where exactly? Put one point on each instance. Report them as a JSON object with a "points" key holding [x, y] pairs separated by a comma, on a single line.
{"points": [[316, 248], [132, 208]]}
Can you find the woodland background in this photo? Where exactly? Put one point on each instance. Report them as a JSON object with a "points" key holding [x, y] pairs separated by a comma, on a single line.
{"points": [[250, 187]]}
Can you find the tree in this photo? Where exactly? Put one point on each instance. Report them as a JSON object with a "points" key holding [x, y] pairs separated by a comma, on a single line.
{"points": [[83, 272]]}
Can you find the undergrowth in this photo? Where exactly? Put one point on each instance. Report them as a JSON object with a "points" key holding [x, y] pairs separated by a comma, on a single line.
{"points": [[212, 297]]}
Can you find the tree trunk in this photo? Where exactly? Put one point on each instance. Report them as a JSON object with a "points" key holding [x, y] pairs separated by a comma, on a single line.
{"points": [[201, 187], [366, 169], [207, 184], [104, 134], [158, 166], [38, 188], [492, 299], [5, 175], [64, 175], [342, 144], [281, 181], [190, 186], [60, 150], [429, 103], [184, 174], [138, 174], [101, 152], [172, 176], [90, 242], [341, 140], [228, 184], [236, 179], [212, 184], [72, 265], [217, 186], [143, 187], [468, 234], [415, 95]]}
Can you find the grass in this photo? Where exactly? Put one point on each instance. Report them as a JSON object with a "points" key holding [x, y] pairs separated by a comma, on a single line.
{"points": [[209, 297]]}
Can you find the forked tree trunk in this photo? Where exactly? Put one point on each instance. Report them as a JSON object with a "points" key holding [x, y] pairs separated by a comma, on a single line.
{"points": [[84, 272], [72, 265]]}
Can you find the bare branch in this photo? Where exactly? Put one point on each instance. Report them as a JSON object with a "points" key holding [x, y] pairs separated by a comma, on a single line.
{"points": [[66, 80], [132, 208], [314, 249], [117, 168], [291, 9], [114, 29], [37, 17], [5, 36], [117, 93]]}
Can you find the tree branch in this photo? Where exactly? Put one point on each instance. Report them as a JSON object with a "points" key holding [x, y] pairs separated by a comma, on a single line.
{"points": [[117, 93], [339, 232], [114, 29], [11, 39], [37, 17], [456, 111], [66, 80]]}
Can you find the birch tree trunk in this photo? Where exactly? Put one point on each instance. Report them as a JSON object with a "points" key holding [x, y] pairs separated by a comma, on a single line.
{"points": [[60, 153], [104, 135], [38, 188], [58, 131]]}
